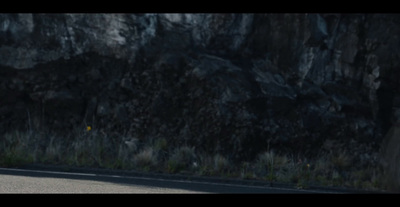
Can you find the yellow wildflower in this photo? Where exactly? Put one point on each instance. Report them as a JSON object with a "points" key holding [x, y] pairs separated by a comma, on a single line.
{"points": [[88, 128]]}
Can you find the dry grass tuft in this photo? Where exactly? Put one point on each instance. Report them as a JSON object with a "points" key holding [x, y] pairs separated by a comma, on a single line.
{"points": [[145, 159], [181, 159], [221, 164]]}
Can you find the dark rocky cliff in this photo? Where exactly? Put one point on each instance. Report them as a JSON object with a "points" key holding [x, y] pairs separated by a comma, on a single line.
{"points": [[236, 84]]}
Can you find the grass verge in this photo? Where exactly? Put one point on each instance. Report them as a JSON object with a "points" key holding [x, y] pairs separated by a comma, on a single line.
{"points": [[95, 149]]}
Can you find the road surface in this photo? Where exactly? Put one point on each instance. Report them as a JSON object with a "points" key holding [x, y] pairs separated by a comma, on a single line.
{"points": [[47, 181]]}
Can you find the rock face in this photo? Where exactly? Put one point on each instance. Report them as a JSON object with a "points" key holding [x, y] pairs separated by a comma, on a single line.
{"points": [[390, 153], [236, 84]]}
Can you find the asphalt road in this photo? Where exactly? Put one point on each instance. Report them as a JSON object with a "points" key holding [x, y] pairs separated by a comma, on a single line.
{"points": [[50, 181]]}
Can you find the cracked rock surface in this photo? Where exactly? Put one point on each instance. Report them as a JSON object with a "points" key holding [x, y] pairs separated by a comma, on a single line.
{"points": [[234, 84]]}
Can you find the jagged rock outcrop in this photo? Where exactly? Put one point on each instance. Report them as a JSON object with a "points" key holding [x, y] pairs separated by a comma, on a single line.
{"points": [[235, 84]]}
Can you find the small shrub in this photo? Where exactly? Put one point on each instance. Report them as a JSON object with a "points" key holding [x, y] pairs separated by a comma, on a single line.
{"points": [[52, 153], [206, 165], [271, 166], [181, 159], [341, 161], [173, 166], [221, 164], [246, 171], [16, 150], [131, 145], [145, 159], [12, 159], [161, 144], [126, 151], [88, 149], [323, 167], [337, 178], [161, 147]]}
